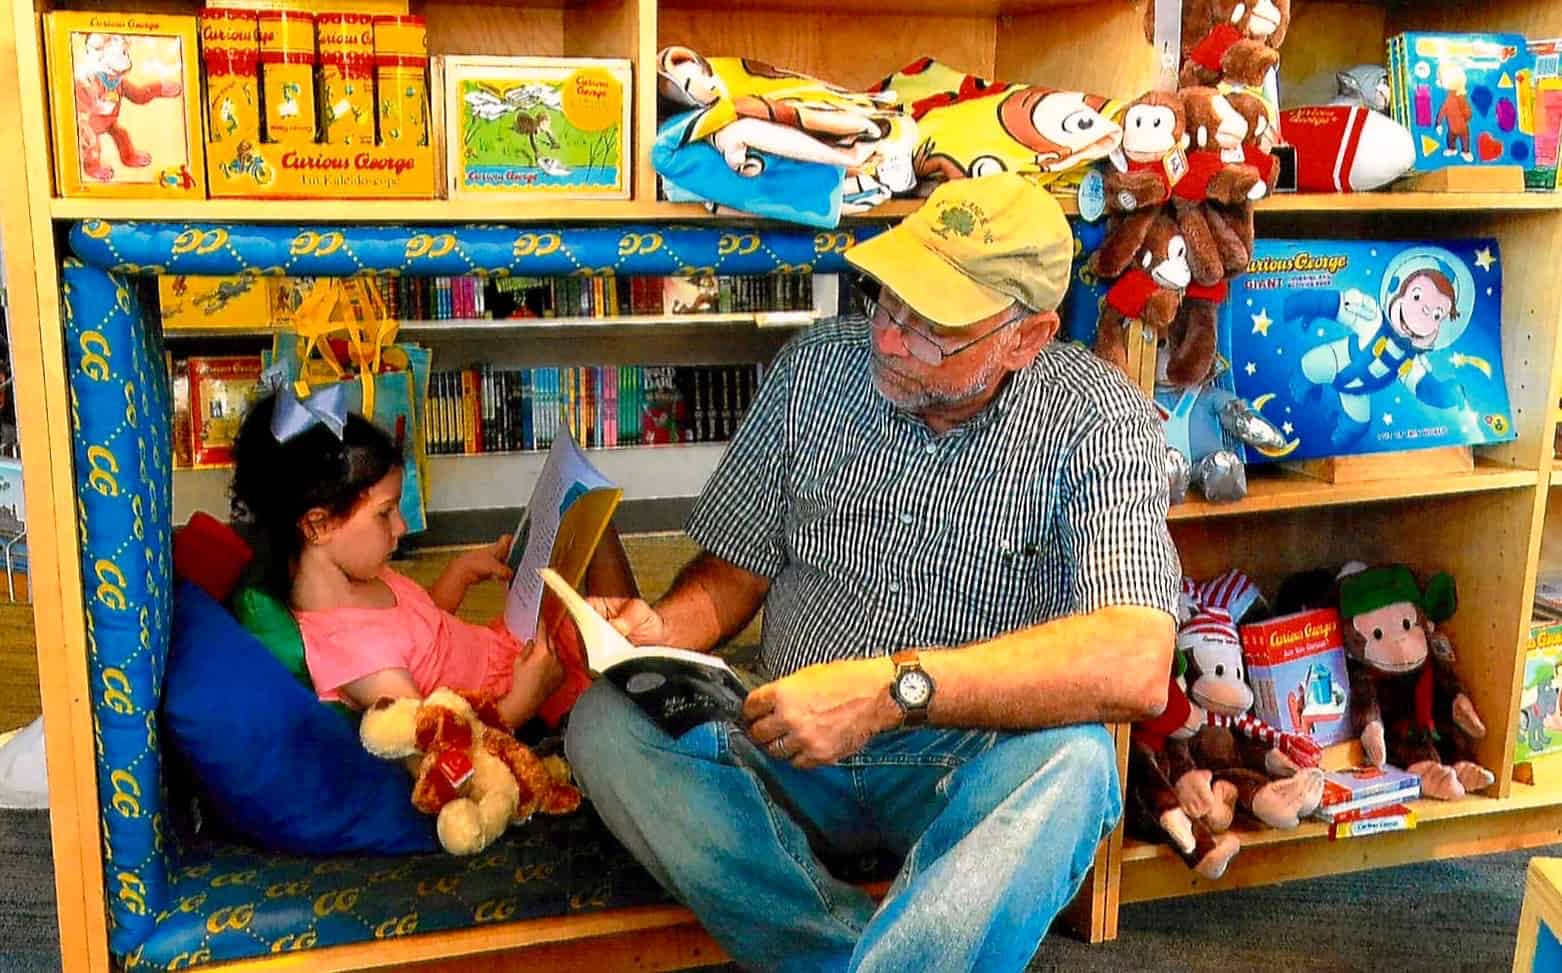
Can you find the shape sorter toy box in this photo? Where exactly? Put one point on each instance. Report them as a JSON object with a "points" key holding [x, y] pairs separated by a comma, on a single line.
{"points": [[1296, 666]]}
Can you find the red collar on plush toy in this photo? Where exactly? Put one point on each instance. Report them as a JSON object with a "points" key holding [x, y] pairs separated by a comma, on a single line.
{"points": [[1209, 52]]}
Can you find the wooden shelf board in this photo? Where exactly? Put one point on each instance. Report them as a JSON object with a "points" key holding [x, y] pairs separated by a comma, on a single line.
{"points": [[1274, 490], [317, 211], [445, 211], [1530, 815], [900, 8], [561, 327], [1556, 477]]}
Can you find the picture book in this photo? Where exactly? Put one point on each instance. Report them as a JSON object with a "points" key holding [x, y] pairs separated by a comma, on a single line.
{"points": [[13, 505], [1539, 726], [570, 508], [1356, 346], [187, 303], [1543, 88], [677, 688], [536, 126], [1356, 788], [221, 389], [125, 97], [1383, 819], [690, 295], [1461, 97], [1296, 666]]}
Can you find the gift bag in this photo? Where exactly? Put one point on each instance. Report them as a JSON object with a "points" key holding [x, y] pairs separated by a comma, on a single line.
{"points": [[343, 334]]}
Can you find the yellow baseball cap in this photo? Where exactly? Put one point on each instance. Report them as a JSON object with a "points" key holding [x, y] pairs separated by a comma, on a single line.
{"points": [[974, 248]]}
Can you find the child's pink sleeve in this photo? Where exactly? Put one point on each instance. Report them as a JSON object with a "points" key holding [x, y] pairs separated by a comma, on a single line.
{"points": [[338, 654]]}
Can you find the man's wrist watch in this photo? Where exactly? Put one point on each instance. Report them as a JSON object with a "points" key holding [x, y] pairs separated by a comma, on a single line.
{"points": [[912, 688]]}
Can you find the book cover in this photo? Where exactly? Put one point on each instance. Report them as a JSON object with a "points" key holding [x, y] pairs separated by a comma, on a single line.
{"points": [[569, 509], [689, 295], [678, 688], [13, 505], [537, 127], [1383, 819], [221, 389], [1296, 666], [179, 385], [1539, 726], [1354, 788], [1356, 346], [213, 302], [125, 92], [1460, 95]]}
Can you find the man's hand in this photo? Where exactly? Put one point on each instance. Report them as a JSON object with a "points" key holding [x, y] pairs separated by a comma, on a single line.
{"points": [[634, 619], [822, 713]]}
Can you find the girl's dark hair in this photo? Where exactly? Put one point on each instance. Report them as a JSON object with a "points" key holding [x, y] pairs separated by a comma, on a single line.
{"points": [[275, 484]]}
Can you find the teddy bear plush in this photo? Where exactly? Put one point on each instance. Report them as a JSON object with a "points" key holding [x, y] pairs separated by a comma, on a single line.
{"points": [[471, 773], [1410, 706]]}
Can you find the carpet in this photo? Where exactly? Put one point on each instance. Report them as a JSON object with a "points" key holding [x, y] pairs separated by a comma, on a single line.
{"points": [[1456, 916]]}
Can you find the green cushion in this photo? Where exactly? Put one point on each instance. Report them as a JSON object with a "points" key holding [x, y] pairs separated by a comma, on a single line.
{"points": [[264, 616]]}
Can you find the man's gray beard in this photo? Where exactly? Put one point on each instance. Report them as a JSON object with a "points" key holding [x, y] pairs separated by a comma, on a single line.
{"points": [[926, 399]]}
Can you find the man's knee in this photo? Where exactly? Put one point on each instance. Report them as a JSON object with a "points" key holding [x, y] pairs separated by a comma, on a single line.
{"points": [[601, 730]]}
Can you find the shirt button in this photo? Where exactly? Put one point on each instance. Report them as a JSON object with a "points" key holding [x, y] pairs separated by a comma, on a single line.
{"points": [[894, 587], [906, 518], [931, 449]]}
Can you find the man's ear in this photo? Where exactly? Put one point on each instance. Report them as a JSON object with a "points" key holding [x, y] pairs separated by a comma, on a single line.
{"points": [[1036, 332], [315, 525]]}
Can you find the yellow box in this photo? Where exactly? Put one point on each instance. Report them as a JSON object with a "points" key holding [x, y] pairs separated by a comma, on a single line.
{"points": [[207, 303], [125, 93]]}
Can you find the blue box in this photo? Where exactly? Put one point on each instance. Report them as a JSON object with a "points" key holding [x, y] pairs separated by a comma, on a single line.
{"points": [[1461, 97], [1353, 346]]}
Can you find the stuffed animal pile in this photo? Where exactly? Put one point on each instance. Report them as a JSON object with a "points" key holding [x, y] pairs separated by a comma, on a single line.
{"points": [[472, 774]]}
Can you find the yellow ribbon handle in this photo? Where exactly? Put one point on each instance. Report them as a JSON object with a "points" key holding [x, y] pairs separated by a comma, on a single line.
{"points": [[352, 306]]}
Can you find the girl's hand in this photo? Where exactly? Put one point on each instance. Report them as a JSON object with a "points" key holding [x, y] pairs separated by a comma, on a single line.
{"points": [[485, 563]]}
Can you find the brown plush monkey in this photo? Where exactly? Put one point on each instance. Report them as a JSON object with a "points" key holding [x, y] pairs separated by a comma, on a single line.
{"points": [[1408, 702], [1147, 292], [1216, 131], [1211, 27]]}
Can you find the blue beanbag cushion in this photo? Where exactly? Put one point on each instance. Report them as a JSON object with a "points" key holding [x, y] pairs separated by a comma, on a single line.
{"points": [[270, 763]]}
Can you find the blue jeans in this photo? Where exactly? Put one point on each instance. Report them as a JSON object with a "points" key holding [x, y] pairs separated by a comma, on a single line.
{"points": [[996, 830]]}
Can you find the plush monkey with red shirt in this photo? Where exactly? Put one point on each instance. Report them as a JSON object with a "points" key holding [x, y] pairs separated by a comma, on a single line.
{"points": [[1411, 708]]}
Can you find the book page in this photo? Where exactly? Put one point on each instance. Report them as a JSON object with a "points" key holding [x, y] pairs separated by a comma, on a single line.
{"points": [[605, 647], [569, 509]]}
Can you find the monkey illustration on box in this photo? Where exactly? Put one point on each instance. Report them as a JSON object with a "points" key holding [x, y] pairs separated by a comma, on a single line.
{"points": [[103, 84], [1425, 305]]}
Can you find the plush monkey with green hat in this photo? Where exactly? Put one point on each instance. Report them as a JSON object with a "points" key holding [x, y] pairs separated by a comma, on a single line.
{"points": [[1411, 709]]}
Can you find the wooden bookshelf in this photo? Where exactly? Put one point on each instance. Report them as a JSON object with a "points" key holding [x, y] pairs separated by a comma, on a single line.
{"points": [[1492, 527]]}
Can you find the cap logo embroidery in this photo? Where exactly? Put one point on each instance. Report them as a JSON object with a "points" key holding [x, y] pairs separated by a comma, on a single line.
{"points": [[962, 218]]}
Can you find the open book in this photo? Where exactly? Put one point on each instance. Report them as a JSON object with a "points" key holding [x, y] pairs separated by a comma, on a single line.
{"points": [[677, 688], [569, 510]]}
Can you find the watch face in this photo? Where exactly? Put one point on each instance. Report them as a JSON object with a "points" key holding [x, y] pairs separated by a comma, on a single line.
{"points": [[914, 688]]}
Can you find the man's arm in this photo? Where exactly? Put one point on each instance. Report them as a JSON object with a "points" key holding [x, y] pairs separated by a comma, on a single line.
{"points": [[1105, 665], [710, 601]]}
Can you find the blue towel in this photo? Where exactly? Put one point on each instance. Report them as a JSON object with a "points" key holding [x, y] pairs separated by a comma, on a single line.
{"points": [[798, 192]]}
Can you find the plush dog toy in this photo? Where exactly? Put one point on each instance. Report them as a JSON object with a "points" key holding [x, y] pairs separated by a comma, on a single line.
{"points": [[472, 773], [1410, 706]]}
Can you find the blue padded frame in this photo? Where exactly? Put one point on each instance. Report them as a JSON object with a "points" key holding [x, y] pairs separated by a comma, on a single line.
{"points": [[121, 414], [344, 251]]}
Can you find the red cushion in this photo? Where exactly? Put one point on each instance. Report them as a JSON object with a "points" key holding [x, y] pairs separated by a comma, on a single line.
{"points": [[208, 553]]}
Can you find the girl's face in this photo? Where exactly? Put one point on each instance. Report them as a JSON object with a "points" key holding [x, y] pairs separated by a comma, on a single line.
{"points": [[362, 542]]}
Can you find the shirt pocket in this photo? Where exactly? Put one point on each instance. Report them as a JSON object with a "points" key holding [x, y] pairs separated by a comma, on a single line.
{"points": [[1000, 571]]}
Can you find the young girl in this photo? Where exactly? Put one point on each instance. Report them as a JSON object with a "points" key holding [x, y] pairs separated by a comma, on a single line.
{"points": [[326, 509]]}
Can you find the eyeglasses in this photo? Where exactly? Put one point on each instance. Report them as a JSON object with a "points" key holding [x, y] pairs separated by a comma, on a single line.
{"points": [[919, 344]]}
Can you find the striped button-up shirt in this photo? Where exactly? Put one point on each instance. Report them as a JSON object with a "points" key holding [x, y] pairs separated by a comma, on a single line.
{"points": [[879, 534]]}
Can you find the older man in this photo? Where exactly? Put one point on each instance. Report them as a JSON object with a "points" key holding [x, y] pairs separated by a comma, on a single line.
{"points": [[957, 529]]}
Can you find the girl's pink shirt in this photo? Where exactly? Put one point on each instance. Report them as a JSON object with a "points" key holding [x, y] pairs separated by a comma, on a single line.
{"points": [[439, 650]]}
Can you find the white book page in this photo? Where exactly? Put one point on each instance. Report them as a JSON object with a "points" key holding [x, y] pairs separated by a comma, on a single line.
{"points": [[566, 475], [605, 647]]}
